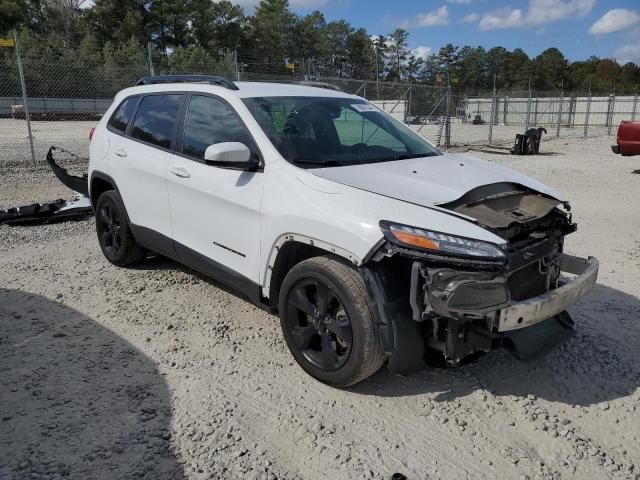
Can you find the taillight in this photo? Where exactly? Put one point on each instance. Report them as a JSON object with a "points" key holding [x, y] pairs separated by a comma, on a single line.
{"points": [[91, 133]]}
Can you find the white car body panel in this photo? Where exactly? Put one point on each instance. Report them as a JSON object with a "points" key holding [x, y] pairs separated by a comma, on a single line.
{"points": [[141, 176], [216, 212], [429, 180], [340, 215]]}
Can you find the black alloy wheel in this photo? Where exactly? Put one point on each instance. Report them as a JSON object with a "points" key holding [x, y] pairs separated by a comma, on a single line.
{"points": [[329, 322], [109, 226], [319, 325], [114, 233]]}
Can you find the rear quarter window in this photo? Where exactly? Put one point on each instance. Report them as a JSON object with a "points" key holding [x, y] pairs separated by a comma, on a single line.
{"points": [[156, 118], [120, 119]]}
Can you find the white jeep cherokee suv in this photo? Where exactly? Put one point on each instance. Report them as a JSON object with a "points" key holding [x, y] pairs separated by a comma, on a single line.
{"points": [[370, 244]]}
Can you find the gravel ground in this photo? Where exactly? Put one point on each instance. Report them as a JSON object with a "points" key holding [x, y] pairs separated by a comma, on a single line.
{"points": [[158, 373]]}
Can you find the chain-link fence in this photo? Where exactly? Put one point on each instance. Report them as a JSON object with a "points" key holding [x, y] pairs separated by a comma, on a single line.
{"points": [[57, 103], [497, 117], [45, 101]]}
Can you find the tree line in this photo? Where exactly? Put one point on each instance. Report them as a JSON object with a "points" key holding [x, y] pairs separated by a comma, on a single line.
{"points": [[202, 35]]}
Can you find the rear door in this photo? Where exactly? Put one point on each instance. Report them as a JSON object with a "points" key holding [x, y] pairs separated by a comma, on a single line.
{"points": [[139, 161], [215, 211]]}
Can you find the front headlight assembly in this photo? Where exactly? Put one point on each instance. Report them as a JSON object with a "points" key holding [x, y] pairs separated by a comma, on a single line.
{"points": [[440, 243]]}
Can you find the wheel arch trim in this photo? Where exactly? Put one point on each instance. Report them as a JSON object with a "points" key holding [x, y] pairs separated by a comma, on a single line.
{"points": [[285, 238], [97, 174]]}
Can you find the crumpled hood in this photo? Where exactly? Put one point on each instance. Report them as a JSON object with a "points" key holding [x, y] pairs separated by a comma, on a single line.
{"points": [[429, 181]]}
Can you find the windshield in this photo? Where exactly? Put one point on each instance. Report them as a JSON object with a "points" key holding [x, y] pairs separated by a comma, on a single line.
{"points": [[314, 132]]}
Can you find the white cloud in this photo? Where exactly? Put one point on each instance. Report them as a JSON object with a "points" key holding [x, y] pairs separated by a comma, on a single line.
{"points": [[307, 3], [539, 12], [422, 52], [628, 53], [248, 5], [614, 21], [471, 18], [548, 11], [435, 18], [501, 18]]}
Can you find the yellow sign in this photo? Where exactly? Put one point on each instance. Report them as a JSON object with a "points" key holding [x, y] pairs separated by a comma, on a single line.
{"points": [[291, 66], [7, 42]]}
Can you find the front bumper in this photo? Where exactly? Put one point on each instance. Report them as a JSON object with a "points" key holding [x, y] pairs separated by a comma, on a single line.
{"points": [[542, 307]]}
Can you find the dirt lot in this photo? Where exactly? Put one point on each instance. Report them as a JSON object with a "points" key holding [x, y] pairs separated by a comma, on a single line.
{"points": [[158, 373]]}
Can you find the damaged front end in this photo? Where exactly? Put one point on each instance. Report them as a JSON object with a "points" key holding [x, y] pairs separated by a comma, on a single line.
{"points": [[460, 296]]}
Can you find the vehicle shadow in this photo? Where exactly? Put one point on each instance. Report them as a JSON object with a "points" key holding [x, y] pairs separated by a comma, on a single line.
{"points": [[77, 400], [599, 363]]}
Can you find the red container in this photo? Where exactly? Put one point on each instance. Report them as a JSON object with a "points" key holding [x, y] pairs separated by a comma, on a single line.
{"points": [[628, 139]]}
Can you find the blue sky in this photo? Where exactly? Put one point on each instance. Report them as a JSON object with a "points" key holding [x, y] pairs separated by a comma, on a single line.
{"points": [[579, 28]]}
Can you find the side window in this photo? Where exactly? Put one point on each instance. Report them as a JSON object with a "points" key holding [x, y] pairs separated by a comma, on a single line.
{"points": [[121, 117], [209, 121], [156, 119]]}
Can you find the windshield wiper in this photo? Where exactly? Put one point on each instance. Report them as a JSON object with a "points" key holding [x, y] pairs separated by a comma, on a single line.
{"points": [[321, 163], [406, 156]]}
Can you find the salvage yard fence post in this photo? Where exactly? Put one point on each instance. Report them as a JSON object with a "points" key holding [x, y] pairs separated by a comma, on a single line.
{"points": [[527, 120], [635, 104], [611, 106], [149, 51], [559, 113], [23, 86], [447, 125], [492, 115], [587, 112]]}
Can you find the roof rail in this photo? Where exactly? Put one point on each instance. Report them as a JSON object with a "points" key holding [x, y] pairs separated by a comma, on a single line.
{"points": [[212, 79], [328, 86]]}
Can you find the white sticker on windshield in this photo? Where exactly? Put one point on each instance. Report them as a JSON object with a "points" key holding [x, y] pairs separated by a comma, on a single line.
{"points": [[363, 107]]}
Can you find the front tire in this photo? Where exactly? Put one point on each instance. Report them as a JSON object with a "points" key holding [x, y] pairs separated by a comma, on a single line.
{"points": [[328, 322], [114, 234]]}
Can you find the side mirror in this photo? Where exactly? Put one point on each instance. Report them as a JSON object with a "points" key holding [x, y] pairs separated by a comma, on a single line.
{"points": [[231, 153]]}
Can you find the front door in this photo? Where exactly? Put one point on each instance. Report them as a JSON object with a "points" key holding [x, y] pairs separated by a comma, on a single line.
{"points": [[215, 212]]}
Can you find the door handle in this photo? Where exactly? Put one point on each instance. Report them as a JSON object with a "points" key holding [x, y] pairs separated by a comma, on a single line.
{"points": [[180, 172], [121, 152]]}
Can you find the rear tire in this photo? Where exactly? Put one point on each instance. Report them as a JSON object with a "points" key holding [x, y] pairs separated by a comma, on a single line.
{"points": [[114, 234], [329, 322]]}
